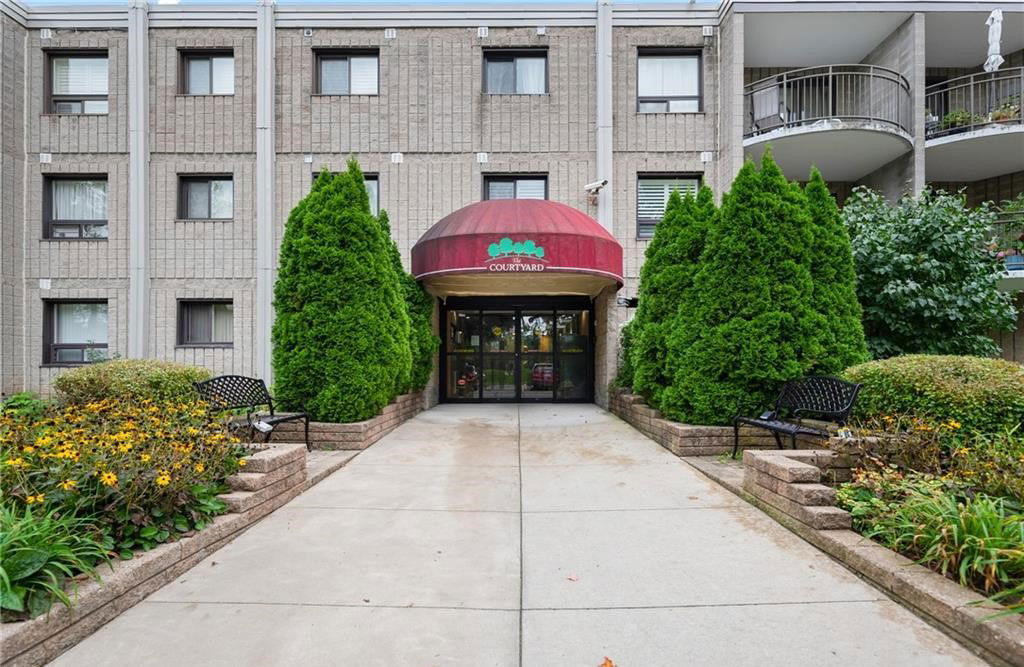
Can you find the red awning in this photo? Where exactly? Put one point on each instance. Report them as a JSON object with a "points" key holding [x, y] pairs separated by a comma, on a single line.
{"points": [[534, 245]]}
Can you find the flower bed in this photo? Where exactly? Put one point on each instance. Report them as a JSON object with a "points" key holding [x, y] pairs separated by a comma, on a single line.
{"points": [[129, 474]]}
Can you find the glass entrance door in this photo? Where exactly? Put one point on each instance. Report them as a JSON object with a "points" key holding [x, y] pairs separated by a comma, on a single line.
{"points": [[527, 353]]}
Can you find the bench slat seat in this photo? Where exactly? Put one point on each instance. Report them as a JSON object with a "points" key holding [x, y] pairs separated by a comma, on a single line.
{"points": [[236, 392], [818, 397]]}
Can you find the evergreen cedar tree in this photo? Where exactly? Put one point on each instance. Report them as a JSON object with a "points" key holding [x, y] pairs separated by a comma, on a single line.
{"points": [[750, 322], [666, 281], [341, 336], [420, 305], [925, 276], [835, 283]]}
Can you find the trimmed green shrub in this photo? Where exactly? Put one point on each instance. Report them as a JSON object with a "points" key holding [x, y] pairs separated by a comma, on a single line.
{"points": [[624, 375], [835, 283], [925, 278], [423, 342], [130, 378], [750, 326], [981, 394], [341, 335], [666, 280]]}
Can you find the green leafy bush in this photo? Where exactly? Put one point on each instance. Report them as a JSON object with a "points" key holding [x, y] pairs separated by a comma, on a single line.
{"points": [[666, 281], [984, 395], [38, 554], [750, 326], [834, 281], [25, 405], [130, 379], [341, 336], [926, 279]]}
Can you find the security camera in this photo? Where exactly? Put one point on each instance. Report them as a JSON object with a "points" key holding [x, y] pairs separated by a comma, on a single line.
{"points": [[595, 187]]}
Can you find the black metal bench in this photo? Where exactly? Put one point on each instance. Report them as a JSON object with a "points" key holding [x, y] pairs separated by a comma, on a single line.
{"points": [[235, 392], [825, 398]]}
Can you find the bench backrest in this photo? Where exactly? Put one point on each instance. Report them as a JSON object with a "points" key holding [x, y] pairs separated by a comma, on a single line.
{"points": [[231, 392], [816, 396]]}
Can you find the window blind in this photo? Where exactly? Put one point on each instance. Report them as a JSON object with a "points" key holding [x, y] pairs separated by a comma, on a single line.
{"points": [[652, 196], [79, 76]]}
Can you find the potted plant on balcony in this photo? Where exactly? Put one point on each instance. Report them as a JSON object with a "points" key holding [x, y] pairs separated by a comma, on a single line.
{"points": [[1005, 112], [1010, 241], [959, 120]]}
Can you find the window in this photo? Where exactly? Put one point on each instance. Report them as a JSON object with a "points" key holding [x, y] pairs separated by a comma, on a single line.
{"points": [[207, 323], [75, 207], [346, 73], [668, 81], [652, 194], [208, 73], [522, 186], [372, 183], [77, 82], [75, 332], [206, 198], [516, 72]]}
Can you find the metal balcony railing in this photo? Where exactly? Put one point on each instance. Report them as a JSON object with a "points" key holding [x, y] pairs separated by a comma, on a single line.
{"points": [[830, 93], [1008, 240], [973, 101]]}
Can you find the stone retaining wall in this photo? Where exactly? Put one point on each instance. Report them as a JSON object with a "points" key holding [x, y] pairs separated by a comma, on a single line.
{"points": [[687, 440], [272, 477], [354, 435], [795, 482]]}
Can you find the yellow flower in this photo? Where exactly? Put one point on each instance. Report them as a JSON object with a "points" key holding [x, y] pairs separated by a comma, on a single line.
{"points": [[68, 484], [146, 458], [30, 499], [28, 449], [108, 479], [15, 462], [200, 467], [243, 462], [952, 423], [163, 479]]}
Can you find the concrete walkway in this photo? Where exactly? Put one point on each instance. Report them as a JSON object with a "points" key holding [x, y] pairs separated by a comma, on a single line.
{"points": [[517, 534]]}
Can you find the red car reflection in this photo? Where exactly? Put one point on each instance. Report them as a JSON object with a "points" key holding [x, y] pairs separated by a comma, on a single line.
{"points": [[543, 376]]}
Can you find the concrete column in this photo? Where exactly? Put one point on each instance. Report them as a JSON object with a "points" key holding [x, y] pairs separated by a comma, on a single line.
{"points": [[917, 85], [605, 167], [138, 178], [263, 311]]}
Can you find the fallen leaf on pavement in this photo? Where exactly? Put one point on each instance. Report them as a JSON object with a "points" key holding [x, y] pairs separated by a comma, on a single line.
{"points": [[607, 662], [573, 577]]}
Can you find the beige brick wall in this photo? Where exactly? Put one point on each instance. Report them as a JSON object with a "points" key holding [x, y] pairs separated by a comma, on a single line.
{"points": [[12, 204]]}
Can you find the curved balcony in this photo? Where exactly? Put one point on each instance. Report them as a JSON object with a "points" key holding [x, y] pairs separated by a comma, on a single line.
{"points": [[847, 119], [974, 127]]}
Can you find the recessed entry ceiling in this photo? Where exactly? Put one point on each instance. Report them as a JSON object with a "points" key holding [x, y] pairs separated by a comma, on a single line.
{"points": [[805, 40], [961, 40]]}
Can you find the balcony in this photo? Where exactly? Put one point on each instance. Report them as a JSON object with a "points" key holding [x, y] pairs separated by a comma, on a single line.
{"points": [[1008, 242], [974, 127], [849, 120]]}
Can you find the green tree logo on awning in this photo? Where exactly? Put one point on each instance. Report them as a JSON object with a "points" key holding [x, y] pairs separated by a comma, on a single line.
{"points": [[506, 247]]}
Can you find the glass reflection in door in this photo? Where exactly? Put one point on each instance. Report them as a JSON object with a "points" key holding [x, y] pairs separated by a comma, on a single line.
{"points": [[537, 371], [499, 349], [573, 376], [463, 347]]}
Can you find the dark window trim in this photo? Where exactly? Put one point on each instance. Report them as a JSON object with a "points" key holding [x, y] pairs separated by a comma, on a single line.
{"points": [[48, 98], [500, 177], [186, 54], [184, 179], [641, 175], [183, 322], [671, 51], [49, 222], [506, 54], [49, 347], [320, 53]]}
